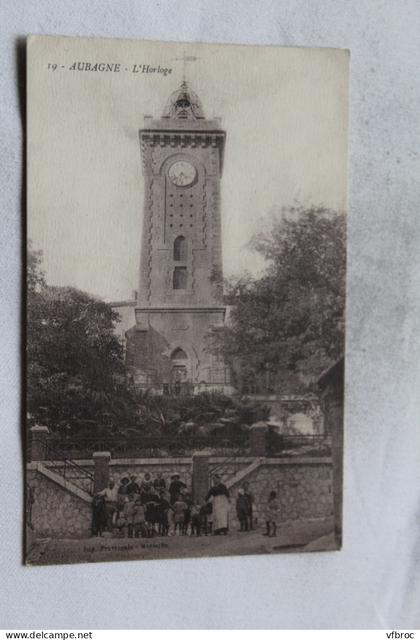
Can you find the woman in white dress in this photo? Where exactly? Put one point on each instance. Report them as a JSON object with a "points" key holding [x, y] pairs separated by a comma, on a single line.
{"points": [[219, 495]]}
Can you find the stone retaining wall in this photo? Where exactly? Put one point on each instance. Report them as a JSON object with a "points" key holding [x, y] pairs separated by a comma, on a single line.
{"points": [[168, 466], [57, 512], [303, 490], [303, 485]]}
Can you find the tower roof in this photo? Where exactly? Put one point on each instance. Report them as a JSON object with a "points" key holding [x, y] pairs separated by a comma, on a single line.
{"points": [[184, 104]]}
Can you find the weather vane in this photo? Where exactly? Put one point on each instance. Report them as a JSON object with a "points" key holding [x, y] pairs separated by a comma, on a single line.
{"points": [[186, 59]]}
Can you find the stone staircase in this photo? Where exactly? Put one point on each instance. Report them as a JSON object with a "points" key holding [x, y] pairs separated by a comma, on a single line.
{"points": [[243, 473], [51, 474]]}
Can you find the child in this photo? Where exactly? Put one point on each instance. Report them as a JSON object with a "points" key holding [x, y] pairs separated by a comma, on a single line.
{"points": [[163, 510], [122, 520], [196, 519], [205, 518], [138, 519], [272, 515], [151, 504], [147, 484], [242, 510], [179, 508], [129, 507], [171, 523], [187, 515]]}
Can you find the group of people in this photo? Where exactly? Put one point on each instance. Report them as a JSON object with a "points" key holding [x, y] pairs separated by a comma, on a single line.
{"points": [[149, 508]]}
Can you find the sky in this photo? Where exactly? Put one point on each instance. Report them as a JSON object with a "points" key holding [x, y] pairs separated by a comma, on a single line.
{"points": [[284, 111]]}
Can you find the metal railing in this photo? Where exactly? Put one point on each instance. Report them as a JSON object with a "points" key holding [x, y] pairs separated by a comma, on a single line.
{"points": [[183, 388], [153, 446], [185, 445], [67, 467], [306, 445], [178, 389], [231, 461]]}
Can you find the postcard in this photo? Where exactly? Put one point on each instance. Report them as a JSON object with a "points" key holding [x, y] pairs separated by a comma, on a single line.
{"points": [[185, 299]]}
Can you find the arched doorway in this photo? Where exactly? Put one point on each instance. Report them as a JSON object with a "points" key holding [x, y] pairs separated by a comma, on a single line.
{"points": [[180, 370]]}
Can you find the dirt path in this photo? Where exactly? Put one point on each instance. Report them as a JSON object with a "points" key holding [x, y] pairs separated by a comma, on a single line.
{"points": [[289, 538]]}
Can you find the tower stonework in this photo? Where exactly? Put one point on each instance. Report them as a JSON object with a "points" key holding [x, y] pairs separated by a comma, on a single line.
{"points": [[180, 300]]}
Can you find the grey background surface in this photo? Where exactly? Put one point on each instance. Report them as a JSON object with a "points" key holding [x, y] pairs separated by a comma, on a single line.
{"points": [[374, 582]]}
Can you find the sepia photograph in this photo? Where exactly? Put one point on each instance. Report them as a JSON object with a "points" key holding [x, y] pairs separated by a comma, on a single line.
{"points": [[185, 302]]}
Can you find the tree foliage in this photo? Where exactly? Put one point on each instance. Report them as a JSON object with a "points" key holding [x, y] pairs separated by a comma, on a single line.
{"points": [[75, 367], [76, 375], [186, 414], [288, 324]]}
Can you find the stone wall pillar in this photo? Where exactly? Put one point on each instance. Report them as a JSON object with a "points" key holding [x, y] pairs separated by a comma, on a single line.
{"points": [[258, 440], [38, 442], [332, 399], [200, 476], [101, 472], [336, 420]]}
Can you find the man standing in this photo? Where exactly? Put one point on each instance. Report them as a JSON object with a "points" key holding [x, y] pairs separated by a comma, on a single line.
{"points": [[110, 494], [250, 502], [176, 487], [133, 488], [159, 483]]}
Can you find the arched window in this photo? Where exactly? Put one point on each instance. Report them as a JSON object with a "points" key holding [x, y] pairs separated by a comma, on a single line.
{"points": [[180, 278], [180, 249], [179, 354]]}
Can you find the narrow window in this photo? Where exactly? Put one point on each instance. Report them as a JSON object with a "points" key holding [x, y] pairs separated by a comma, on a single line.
{"points": [[180, 249], [180, 278]]}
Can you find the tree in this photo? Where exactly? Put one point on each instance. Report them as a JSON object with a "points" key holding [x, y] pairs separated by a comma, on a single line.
{"points": [[35, 278], [288, 324], [75, 370]]}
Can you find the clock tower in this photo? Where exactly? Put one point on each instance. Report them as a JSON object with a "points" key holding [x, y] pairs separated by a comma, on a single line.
{"points": [[179, 305]]}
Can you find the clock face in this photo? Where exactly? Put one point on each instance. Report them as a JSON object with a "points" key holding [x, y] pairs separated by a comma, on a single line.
{"points": [[182, 173]]}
